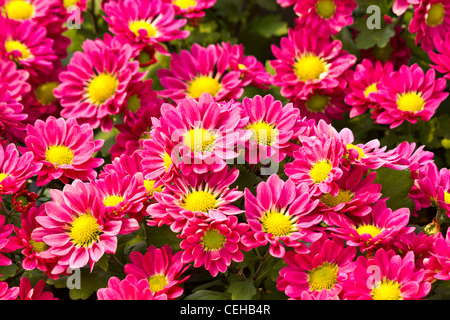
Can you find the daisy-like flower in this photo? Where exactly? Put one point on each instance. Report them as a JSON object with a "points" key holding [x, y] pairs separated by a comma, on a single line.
{"points": [[8, 242], [362, 83], [8, 293], [64, 148], [130, 288], [280, 214], [199, 70], [207, 196], [213, 245], [305, 62], [441, 58], [325, 15], [373, 230], [408, 94], [16, 80], [75, 228], [11, 116], [26, 42], [28, 292], [162, 268], [34, 10], [94, 85], [325, 267], [203, 134], [318, 165], [437, 266], [430, 22], [156, 160], [145, 22], [387, 276], [191, 9], [273, 127]]}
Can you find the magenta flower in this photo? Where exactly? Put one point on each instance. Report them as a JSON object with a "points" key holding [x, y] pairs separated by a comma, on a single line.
{"points": [[11, 116], [400, 6], [16, 80], [156, 159], [161, 268], [8, 242], [214, 244], [64, 148], [130, 288], [441, 57], [8, 293], [28, 292], [437, 266], [191, 9], [280, 214]]}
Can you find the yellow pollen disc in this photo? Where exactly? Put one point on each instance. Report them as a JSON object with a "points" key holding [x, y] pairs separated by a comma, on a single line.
{"points": [[370, 229], [184, 4], [213, 240], [325, 8], [435, 15], [199, 140], [69, 3], [44, 93], [386, 290], [317, 103], [446, 194], [142, 25], [19, 10], [59, 155], [343, 196], [411, 102], [203, 84], [149, 187], [38, 246], [242, 66], [277, 223], [167, 160], [361, 153], [323, 277], [11, 45], [200, 201], [102, 87], [309, 67], [370, 89], [134, 103], [112, 201], [85, 230], [320, 171], [2, 176], [157, 282], [262, 133]]}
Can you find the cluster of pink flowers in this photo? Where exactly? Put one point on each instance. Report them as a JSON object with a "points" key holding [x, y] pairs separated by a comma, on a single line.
{"points": [[179, 153]]}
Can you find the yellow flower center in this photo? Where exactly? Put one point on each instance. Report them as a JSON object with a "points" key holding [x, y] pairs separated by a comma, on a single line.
{"points": [[38, 246], [323, 277], [435, 15], [446, 194], [44, 93], [320, 171], [277, 223], [12, 45], [199, 140], [134, 103], [203, 84], [361, 153], [184, 4], [309, 67], [325, 8], [112, 201], [370, 229], [85, 230], [386, 290], [68, 3], [213, 240], [149, 184], [59, 155], [370, 89], [157, 282], [262, 133], [142, 25], [167, 160], [200, 201], [2, 176], [411, 102], [19, 10], [102, 87], [317, 103], [343, 196]]}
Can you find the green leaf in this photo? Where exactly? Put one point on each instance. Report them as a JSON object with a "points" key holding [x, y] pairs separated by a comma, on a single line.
{"points": [[369, 38], [242, 290], [395, 185], [208, 295], [89, 284], [103, 262], [268, 26], [8, 271]]}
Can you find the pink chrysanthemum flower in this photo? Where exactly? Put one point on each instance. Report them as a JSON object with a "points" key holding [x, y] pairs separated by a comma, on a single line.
{"points": [[144, 22], [26, 42], [75, 228], [373, 230], [157, 161], [213, 245], [162, 268], [207, 196], [280, 214], [8, 293], [28, 292], [387, 276], [325, 15], [362, 82], [437, 266], [318, 165], [305, 62], [441, 58], [325, 267], [408, 94], [200, 70], [191, 9], [11, 116], [203, 133], [95, 84], [64, 148], [430, 22], [273, 127], [15, 79], [130, 288], [8, 242], [34, 10]]}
